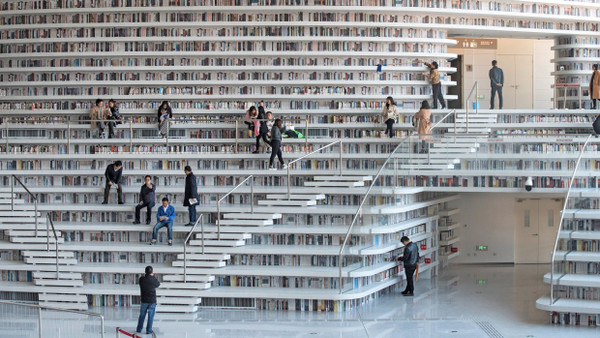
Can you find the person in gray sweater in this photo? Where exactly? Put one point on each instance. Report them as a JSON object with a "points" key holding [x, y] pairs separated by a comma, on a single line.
{"points": [[276, 136]]}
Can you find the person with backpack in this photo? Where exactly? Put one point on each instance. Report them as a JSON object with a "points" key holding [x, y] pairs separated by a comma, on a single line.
{"points": [[276, 137], [390, 114], [410, 258]]}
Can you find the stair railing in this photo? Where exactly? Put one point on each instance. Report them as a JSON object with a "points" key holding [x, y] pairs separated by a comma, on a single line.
{"points": [[199, 219], [12, 199], [453, 112], [40, 307], [476, 89], [289, 166], [50, 223], [229, 193], [562, 217]]}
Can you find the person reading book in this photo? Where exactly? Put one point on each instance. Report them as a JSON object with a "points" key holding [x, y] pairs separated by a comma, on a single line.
{"points": [[165, 114], [190, 196], [410, 258]]}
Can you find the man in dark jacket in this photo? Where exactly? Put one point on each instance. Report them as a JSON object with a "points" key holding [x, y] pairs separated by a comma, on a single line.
{"points": [[410, 259], [113, 178], [190, 197], [148, 285], [147, 200], [264, 129], [496, 81]]}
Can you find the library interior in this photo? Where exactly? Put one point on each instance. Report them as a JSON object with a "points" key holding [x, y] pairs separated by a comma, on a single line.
{"points": [[280, 151]]}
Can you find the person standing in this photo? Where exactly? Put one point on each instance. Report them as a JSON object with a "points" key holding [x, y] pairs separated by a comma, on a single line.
{"points": [[250, 121], [98, 114], [411, 261], [147, 200], [436, 84], [276, 137], [390, 114], [165, 114], [422, 119], [114, 117], [595, 86], [190, 196], [148, 284], [165, 217], [263, 130], [496, 82], [113, 174]]}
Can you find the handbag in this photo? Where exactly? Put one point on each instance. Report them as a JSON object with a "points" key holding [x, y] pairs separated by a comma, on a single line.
{"points": [[596, 125]]}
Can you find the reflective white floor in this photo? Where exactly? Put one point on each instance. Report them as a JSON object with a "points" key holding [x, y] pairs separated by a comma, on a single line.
{"points": [[464, 301]]}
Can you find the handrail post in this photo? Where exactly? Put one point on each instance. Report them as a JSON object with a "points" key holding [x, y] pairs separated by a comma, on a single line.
{"points": [[476, 98], [68, 136], [341, 156], [12, 193], [56, 248], [288, 182], [455, 116], [565, 98], [219, 220], [40, 321], [236, 137], [340, 277], [202, 230], [467, 118], [252, 195]]}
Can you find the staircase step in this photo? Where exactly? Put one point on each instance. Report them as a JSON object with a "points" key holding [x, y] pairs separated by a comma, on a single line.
{"points": [[424, 160], [211, 242], [427, 166], [454, 145], [59, 297], [59, 282], [18, 207], [295, 197], [162, 292], [251, 216], [9, 202], [343, 178], [192, 278], [178, 300], [206, 257], [26, 221], [192, 285], [35, 240], [201, 264], [52, 275], [177, 308], [212, 235], [287, 203], [31, 233], [66, 306], [44, 260], [247, 222], [334, 184], [63, 254], [452, 150], [18, 213]]}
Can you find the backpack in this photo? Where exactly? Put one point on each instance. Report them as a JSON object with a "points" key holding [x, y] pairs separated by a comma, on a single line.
{"points": [[293, 134], [596, 125]]}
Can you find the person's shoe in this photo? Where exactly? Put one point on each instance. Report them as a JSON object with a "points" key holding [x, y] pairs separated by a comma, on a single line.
{"points": [[104, 202], [170, 242], [147, 221], [189, 224], [121, 202], [272, 168], [255, 152], [153, 242], [136, 222], [408, 294], [404, 292], [284, 166]]}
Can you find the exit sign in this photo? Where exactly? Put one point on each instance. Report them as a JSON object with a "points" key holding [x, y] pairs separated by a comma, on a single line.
{"points": [[481, 248]]}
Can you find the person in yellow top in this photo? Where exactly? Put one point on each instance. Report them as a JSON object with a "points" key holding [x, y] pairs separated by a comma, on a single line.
{"points": [[390, 114], [595, 86], [436, 85]]}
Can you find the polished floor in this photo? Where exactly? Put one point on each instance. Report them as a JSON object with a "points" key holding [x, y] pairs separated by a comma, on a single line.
{"points": [[464, 301]]}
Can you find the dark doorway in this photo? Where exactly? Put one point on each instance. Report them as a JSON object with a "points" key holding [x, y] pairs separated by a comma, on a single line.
{"points": [[458, 89]]}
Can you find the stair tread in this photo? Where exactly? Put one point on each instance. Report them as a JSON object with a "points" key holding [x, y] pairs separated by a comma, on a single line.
{"points": [[297, 196], [66, 305], [333, 184], [213, 235], [203, 264], [59, 297], [249, 215], [211, 257], [343, 178], [59, 282], [210, 242], [193, 278], [189, 285], [246, 222], [68, 254]]}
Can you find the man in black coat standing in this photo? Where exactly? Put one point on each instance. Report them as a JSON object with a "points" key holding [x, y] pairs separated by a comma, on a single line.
{"points": [[148, 285], [147, 200], [190, 197], [113, 178], [410, 259]]}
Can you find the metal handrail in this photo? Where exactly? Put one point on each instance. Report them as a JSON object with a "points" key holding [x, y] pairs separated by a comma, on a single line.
{"points": [[40, 307], [476, 88], [229, 193], [199, 219], [289, 165], [562, 217], [12, 199], [51, 223]]}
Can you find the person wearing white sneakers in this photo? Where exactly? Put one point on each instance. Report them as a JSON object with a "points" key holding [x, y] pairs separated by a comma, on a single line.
{"points": [[165, 217], [276, 135]]}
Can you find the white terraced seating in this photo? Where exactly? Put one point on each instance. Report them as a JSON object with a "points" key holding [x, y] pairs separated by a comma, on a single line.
{"points": [[52, 240], [178, 301], [248, 222], [254, 215], [52, 275], [67, 305], [191, 278], [58, 282], [212, 235], [45, 260], [57, 297], [296, 196], [217, 243], [301, 203], [201, 264]]}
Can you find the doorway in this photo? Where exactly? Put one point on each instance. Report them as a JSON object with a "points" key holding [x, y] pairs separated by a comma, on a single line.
{"points": [[458, 89], [518, 81], [536, 226]]}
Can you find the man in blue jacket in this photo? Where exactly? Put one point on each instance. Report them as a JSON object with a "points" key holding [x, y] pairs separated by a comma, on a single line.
{"points": [[496, 81], [410, 259], [165, 217]]}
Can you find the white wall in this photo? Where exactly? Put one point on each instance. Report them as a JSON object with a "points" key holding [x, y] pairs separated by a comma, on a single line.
{"points": [[481, 59]]}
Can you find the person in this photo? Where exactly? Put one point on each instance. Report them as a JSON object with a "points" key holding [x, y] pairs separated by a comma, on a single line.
{"points": [[147, 200], [164, 217], [113, 117], [496, 82], [422, 119], [249, 120], [98, 114], [165, 114], [190, 196], [390, 114], [436, 84], [410, 259], [113, 174], [276, 136], [595, 86], [148, 284], [263, 130]]}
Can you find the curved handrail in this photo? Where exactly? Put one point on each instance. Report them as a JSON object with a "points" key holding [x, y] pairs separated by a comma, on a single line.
{"points": [[562, 217], [289, 165], [199, 219], [229, 193]]}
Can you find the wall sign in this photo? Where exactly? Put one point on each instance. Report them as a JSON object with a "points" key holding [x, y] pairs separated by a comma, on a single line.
{"points": [[473, 43]]}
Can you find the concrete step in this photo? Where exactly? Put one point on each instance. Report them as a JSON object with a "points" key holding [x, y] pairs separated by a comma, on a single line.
{"points": [[52, 275], [454, 145], [177, 300], [180, 286], [18, 207], [343, 178], [247, 222], [24, 222], [452, 150], [427, 166], [212, 235], [190, 278], [176, 308], [66, 305], [44, 260], [295, 197], [249, 215], [59, 282], [206, 257], [59, 297], [61, 254], [9, 202], [201, 264], [35, 240], [334, 184], [163, 292], [210, 242], [422, 160], [16, 213], [31, 233], [287, 203]]}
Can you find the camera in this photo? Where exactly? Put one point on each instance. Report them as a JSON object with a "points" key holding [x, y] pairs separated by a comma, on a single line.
{"points": [[529, 184]]}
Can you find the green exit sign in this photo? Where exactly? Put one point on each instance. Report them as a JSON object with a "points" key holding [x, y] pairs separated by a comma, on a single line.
{"points": [[481, 248]]}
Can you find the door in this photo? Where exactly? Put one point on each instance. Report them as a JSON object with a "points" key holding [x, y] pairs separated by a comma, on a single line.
{"points": [[536, 226], [458, 89], [518, 81]]}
